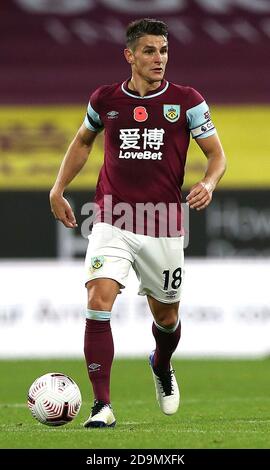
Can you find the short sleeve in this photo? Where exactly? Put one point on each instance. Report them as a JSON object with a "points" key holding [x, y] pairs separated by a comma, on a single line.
{"points": [[92, 119], [198, 117]]}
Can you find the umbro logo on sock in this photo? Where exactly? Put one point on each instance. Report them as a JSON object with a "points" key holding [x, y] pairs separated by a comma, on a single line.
{"points": [[94, 366]]}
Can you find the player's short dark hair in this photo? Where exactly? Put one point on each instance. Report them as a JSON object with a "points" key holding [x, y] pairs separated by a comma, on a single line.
{"points": [[142, 27]]}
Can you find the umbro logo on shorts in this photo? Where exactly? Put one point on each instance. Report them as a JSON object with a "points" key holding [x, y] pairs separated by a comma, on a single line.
{"points": [[171, 294]]}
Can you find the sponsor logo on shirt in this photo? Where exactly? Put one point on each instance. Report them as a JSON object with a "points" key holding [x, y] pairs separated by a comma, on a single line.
{"points": [[171, 112], [140, 114], [146, 155], [140, 143]]}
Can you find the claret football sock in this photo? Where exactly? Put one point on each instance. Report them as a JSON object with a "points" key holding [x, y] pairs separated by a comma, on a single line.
{"points": [[166, 344], [99, 352]]}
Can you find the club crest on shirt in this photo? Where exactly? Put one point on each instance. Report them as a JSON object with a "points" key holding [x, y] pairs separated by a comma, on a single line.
{"points": [[97, 262], [171, 112]]}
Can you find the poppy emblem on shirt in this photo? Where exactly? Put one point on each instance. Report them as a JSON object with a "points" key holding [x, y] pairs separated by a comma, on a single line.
{"points": [[140, 114], [171, 112]]}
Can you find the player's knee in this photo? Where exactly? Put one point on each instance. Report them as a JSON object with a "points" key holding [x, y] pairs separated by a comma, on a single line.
{"points": [[101, 295], [167, 324], [99, 302], [99, 299], [168, 321]]}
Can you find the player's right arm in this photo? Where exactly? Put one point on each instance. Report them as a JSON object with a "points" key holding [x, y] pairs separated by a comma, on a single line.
{"points": [[74, 160]]}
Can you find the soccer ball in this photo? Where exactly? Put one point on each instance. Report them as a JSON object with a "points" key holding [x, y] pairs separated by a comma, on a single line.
{"points": [[54, 399]]}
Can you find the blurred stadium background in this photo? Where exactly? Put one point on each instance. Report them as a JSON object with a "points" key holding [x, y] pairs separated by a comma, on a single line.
{"points": [[53, 55]]}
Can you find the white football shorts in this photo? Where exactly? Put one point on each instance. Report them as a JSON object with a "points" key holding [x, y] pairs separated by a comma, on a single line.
{"points": [[157, 262]]}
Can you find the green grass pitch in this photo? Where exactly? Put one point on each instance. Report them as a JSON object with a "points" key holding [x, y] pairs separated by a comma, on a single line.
{"points": [[225, 404]]}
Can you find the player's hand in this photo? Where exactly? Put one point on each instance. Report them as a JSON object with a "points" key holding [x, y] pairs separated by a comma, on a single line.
{"points": [[62, 211], [200, 195]]}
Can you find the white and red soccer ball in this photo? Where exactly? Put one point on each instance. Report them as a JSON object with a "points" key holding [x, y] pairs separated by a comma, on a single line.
{"points": [[54, 399]]}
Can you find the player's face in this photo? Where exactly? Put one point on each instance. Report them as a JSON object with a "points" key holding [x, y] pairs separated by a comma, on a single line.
{"points": [[149, 58]]}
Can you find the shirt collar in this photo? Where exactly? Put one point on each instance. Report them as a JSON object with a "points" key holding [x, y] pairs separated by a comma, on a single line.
{"points": [[150, 94]]}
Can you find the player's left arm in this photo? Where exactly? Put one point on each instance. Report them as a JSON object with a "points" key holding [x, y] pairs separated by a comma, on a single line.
{"points": [[200, 194]]}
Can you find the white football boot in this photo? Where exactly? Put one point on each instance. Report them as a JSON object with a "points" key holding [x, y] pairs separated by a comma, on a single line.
{"points": [[167, 391], [101, 416]]}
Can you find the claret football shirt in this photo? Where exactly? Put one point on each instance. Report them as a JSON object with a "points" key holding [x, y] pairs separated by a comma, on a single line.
{"points": [[146, 143]]}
